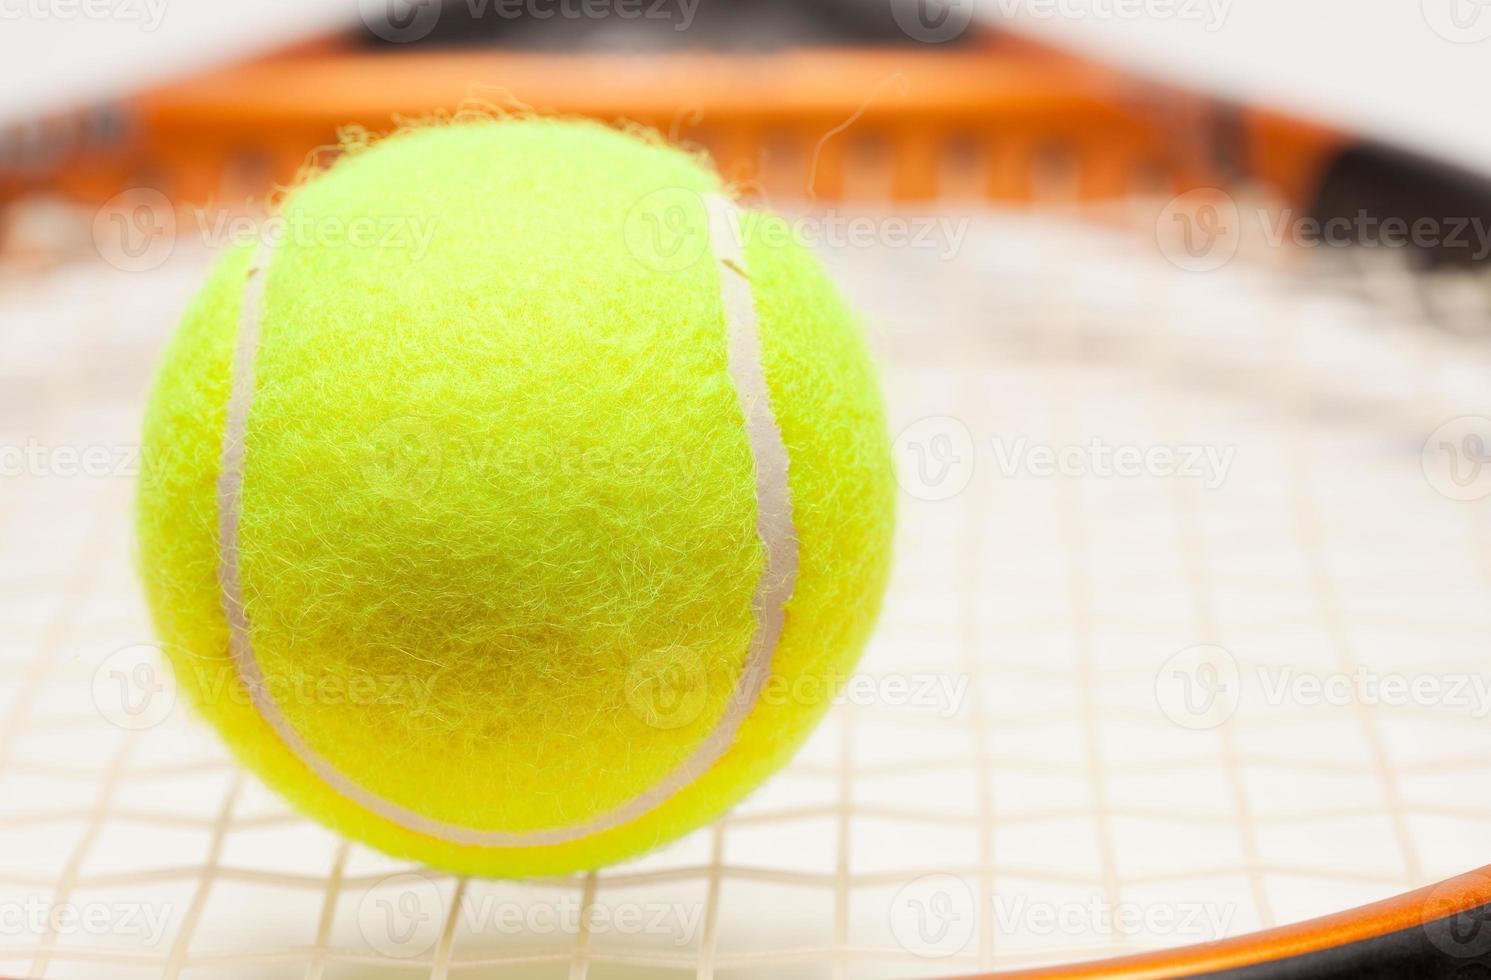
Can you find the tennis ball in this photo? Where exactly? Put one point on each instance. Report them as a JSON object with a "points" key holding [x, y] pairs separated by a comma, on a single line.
{"points": [[516, 506]]}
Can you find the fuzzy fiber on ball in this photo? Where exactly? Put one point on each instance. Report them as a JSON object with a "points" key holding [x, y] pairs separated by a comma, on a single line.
{"points": [[498, 539]]}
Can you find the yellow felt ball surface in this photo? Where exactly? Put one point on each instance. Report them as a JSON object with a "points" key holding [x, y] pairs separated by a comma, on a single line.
{"points": [[482, 569]]}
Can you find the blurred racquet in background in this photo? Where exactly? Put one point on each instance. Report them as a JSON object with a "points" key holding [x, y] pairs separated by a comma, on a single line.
{"points": [[1186, 646]]}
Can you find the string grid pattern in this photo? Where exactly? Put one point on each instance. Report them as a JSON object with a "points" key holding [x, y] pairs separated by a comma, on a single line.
{"points": [[1111, 705]]}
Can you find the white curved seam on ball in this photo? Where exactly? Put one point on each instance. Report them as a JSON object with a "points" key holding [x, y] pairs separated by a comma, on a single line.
{"points": [[774, 528]]}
